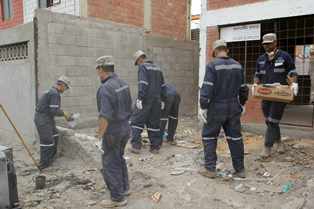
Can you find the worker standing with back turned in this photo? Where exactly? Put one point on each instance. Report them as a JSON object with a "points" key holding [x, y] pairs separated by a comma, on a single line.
{"points": [[114, 107], [49, 107], [222, 99], [149, 103], [274, 66]]}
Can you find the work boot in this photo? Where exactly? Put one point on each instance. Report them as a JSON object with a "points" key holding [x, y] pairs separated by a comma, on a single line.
{"points": [[127, 193], [280, 148], [154, 151], [135, 150], [240, 174], [113, 204], [172, 142], [206, 173], [266, 152]]}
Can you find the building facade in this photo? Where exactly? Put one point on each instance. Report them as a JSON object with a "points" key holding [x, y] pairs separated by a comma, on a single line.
{"points": [[242, 23], [169, 18]]}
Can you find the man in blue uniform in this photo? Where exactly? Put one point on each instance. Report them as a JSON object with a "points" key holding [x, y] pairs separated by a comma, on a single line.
{"points": [[170, 113], [148, 104], [49, 107], [275, 66], [114, 106], [222, 98]]}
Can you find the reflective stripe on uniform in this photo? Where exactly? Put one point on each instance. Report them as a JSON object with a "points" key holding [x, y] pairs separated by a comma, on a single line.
{"points": [[163, 85], [208, 83], [243, 85], [174, 118], [228, 67], [153, 129], [137, 127], [144, 82], [270, 119], [122, 88], [47, 145], [209, 138], [54, 106], [234, 138], [152, 68], [163, 118], [55, 135], [292, 71]]}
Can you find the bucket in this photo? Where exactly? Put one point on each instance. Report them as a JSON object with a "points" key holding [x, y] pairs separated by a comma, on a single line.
{"points": [[40, 181]]}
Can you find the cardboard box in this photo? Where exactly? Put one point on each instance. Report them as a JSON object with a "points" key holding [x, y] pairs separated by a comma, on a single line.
{"points": [[274, 93]]}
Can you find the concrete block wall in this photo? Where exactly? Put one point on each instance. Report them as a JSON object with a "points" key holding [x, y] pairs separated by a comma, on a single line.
{"points": [[17, 87], [218, 4], [179, 63], [70, 45], [17, 16]]}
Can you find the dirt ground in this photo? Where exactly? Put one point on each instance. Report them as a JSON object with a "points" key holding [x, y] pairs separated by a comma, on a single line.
{"points": [[74, 182]]}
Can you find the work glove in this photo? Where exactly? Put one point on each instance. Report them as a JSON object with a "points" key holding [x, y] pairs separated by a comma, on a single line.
{"points": [[203, 115], [163, 105], [295, 88], [253, 88], [68, 116], [99, 145], [139, 104]]}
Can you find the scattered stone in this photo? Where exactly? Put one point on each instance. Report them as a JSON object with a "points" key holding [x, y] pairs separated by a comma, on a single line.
{"points": [[91, 203], [298, 146], [177, 172], [267, 174], [156, 197], [240, 188], [253, 189]]}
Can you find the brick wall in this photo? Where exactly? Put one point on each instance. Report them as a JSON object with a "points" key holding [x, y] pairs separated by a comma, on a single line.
{"points": [[17, 17], [169, 18], [122, 11], [212, 35], [218, 4]]}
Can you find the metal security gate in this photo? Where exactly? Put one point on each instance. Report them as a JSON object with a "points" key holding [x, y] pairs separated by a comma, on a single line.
{"points": [[295, 35]]}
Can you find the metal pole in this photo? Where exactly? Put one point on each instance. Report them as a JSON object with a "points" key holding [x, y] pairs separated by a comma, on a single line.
{"points": [[20, 137]]}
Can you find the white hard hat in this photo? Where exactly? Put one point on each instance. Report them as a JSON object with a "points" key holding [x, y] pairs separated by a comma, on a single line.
{"points": [[269, 38], [65, 80], [137, 55], [104, 61], [219, 43]]}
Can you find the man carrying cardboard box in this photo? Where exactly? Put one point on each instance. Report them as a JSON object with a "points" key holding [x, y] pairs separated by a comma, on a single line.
{"points": [[275, 66]]}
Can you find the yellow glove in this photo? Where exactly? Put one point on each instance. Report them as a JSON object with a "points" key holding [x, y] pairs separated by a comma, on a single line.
{"points": [[68, 116]]}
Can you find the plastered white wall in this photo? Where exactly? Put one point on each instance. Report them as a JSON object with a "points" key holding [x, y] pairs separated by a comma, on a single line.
{"points": [[71, 7]]}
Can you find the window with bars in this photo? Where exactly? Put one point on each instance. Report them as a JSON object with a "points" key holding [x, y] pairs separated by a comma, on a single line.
{"points": [[48, 3], [7, 9], [13, 52]]}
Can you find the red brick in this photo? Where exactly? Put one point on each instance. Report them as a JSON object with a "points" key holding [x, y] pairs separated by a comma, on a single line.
{"points": [[121, 11], [17, 17], [212, 35], [169, 18], [253, 112], [218, 4]]}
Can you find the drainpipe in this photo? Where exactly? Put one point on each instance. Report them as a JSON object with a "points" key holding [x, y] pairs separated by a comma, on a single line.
{"points": [[35, 22]]}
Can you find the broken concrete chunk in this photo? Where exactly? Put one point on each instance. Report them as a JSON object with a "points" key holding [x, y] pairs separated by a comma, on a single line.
{"points": [[156, 197]]}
